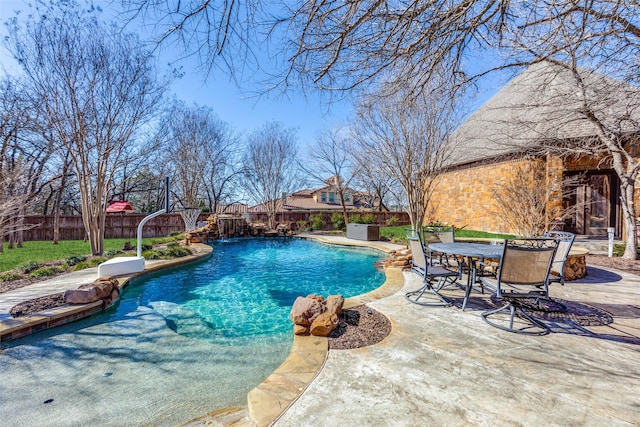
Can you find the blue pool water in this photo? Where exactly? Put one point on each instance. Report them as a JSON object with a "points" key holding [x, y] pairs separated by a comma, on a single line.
{"points": [[180, 343]]}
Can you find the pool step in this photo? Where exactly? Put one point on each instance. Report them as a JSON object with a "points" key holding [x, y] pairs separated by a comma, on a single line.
{"points": [[226, 417]]}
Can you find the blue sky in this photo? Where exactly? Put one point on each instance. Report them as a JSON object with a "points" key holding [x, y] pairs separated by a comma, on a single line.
{"points": [[236, 106]]}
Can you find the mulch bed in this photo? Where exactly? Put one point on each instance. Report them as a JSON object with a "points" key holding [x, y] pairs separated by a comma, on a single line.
{"points": [[37, 304], [359, 326]]}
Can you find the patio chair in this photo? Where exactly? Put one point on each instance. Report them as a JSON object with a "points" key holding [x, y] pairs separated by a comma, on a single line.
{"points": [[565, 241], [522, 284], [429, 274], [437, 235]]}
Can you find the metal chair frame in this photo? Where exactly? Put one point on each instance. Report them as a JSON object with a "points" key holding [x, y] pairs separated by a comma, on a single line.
{"points": [[429, 273], [523, 275], [565, 241]]}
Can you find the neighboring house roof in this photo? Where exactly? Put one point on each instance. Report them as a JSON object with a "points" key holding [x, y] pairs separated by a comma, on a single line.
{"points": [[303, 200], [543, 103], [120, 207]]}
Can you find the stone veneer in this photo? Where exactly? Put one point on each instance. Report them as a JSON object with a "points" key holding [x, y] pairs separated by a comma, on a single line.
{"points": [[465, 196]]}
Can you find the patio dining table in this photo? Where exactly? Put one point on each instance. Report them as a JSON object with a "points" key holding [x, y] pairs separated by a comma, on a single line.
{"points": [[470, 251]]}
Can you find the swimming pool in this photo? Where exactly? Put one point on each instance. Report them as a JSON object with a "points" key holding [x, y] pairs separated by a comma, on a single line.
{"points": [[180, 343]]}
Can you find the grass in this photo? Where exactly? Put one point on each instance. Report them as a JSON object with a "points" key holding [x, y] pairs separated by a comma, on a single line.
{"points": [[398, 234], [46, 251]]}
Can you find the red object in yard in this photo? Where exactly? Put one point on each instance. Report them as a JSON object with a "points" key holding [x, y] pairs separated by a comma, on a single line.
{"points": [[121, 206]]}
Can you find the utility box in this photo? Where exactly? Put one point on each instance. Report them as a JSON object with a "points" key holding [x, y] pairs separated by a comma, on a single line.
{"points": [[363, 231]]}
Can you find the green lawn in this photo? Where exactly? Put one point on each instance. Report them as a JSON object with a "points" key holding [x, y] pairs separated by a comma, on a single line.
{"points": [[398, 234], [44, 251]]}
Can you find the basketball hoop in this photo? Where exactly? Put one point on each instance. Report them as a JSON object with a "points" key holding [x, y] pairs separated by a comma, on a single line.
{"points": [[190, 217]]}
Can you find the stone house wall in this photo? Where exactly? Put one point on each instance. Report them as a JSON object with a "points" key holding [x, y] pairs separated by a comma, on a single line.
{"points": [[467, 196]]}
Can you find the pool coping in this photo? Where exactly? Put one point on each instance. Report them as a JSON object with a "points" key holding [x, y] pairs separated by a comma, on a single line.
{"points": [[271, 398], [22, 326]]}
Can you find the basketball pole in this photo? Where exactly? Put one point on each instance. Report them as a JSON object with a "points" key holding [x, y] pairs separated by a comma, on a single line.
{"points": [[153, 215]]}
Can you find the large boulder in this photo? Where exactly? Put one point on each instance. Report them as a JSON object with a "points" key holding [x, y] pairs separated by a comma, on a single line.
{"points": [[103, 286], [335, 303], [305, 310], [86, 295], [101, 289], [324, 324]]}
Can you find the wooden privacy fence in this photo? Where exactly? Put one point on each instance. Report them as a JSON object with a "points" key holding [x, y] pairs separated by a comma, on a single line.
{"points": [[126, 225]]}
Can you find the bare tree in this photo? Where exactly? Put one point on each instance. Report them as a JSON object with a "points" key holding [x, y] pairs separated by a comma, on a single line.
{"points": [[331, 157], [406, 138], [202, 151], [269, 165], [372, 179], [97, 87], [524, 200], [23, 159], [220, 34]]}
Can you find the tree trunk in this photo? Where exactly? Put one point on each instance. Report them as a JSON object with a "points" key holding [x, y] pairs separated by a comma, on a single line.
{"points": [[11, 232], [56, 218], [629, 219]]}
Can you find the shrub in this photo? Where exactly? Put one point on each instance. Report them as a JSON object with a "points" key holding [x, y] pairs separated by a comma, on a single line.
{"points": [[71, 261], [317, 223], [45, 272], [359, 219], [177, 252], [146, 247], [173, 244], [29, 266], [369, 219], [9, 277], [355, 219], [618, 250], [337, 219], [111, 254], [302, 224], [97, 260], [392, 221], [152, 254], [81, 265]]}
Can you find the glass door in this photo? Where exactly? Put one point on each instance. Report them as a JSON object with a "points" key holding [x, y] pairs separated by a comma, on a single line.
{"points": [[598, 205], [593, 205]]}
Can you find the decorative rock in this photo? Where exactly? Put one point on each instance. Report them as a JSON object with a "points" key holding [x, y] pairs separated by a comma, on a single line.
{"points": [[115, 295], [318, 298], [104, 288], [305, 310], [324, 324], [335, 303], [300, 330], [81, 296], [575, 267]]}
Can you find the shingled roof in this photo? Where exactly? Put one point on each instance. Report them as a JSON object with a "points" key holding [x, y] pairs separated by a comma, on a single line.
{"points": [[543, 103]]}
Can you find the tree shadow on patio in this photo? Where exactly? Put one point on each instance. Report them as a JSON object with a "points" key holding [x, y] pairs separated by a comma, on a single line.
{"points": [[602, 321]]}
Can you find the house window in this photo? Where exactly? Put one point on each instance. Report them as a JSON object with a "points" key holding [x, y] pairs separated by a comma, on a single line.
{"points": [[323, 197], [332, 197], [347, 196]]}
